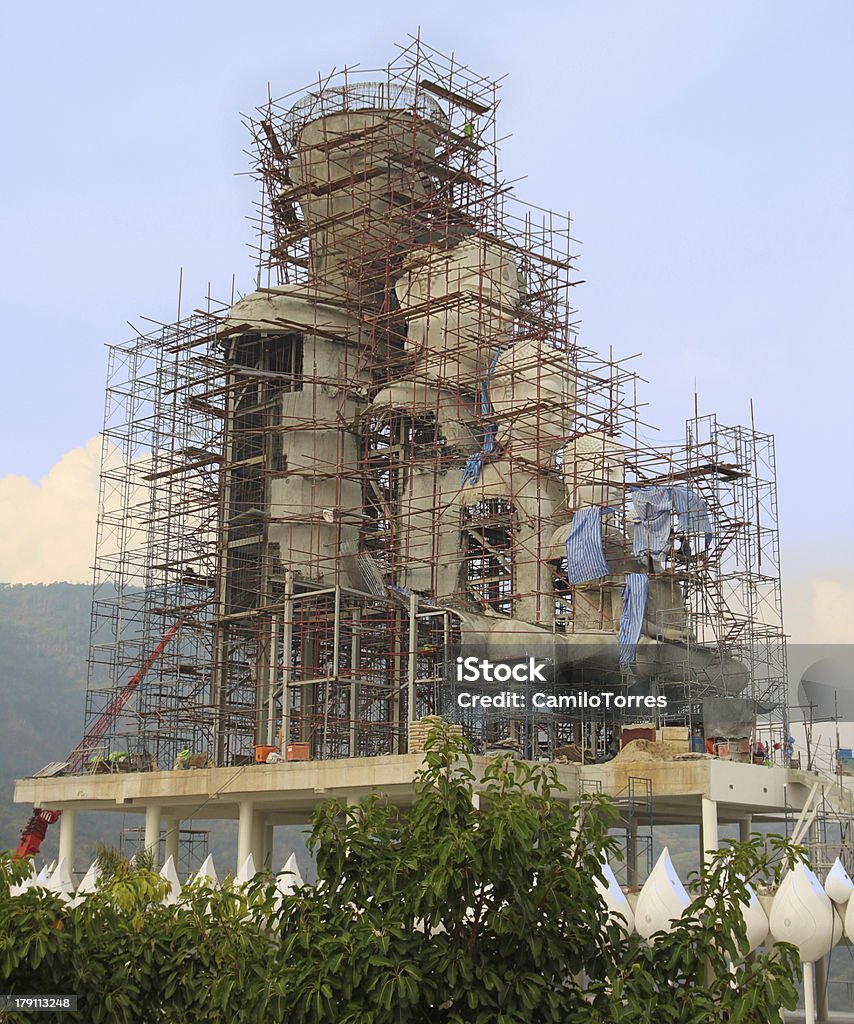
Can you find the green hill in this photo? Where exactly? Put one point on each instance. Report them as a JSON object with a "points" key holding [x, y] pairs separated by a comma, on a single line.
{"points": [[44, 635]]}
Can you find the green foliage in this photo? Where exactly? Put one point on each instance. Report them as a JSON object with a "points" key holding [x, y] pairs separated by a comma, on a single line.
{"points": [[474, 905], [687, 976], [481, 909]]}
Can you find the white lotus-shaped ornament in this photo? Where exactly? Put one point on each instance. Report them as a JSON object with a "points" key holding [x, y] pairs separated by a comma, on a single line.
{"points": [[615, 899], [169, 872], [207, 873], [755, 919], [663, 899], [803, 914], [838, 884], [60, 881]]}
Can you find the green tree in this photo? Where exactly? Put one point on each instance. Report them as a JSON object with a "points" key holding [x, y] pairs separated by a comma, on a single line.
{"points": [[474, 905]]}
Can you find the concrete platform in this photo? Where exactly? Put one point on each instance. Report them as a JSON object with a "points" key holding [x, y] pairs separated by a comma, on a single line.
{"points": [[285, 793], [797, 1017], [292, 790], [703, 790], [678, 788]]}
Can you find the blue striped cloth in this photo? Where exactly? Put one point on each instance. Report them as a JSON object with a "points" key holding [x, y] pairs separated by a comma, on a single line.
{"points": [[653, 511], [585, 554], [635, 594], [692, 511]]}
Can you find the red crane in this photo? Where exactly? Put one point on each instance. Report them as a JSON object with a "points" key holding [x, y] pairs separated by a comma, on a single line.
{"points": [[35, 829]]}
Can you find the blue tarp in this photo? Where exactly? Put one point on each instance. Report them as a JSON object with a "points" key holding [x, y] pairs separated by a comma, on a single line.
{"points": [[474, 463], [654, 507], [635, 596], [585, 554], [653, 510], [692, 511]]}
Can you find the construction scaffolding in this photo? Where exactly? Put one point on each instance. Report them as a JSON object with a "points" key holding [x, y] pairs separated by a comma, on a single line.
{"points": [[192, 847], [156, 550], [375, 464]]}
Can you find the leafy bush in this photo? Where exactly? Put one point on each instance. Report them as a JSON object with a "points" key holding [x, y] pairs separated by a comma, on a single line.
{"points": [[474, 905]]}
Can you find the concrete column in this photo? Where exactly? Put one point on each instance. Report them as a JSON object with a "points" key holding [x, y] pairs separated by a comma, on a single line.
{"points": [[809, 994], [710, 828], [287, 665], [152, 833], [267, 855], [67, 835], [244, 832], [173, 835], [744, 827], [259, 827], [821, 988]]}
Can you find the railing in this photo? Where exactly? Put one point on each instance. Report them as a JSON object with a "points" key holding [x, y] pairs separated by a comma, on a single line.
{"points": [[363, 96]]}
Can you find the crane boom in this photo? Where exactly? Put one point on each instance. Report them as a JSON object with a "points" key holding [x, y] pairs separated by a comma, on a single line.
{"points": [[112, 711], [34, 831]]}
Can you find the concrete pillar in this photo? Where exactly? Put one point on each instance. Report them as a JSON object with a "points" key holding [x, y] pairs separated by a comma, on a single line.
{"points": [[259, 826], [267, 854], [710, 828], [152, 833], [67, 835], [413, 647], [244, 832], [821, 988], [809, 994], [173, 835], [744, 827]]}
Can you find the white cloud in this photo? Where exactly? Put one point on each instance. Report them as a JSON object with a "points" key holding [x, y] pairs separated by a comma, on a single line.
{"points": [[819, 609], [48, 528]]}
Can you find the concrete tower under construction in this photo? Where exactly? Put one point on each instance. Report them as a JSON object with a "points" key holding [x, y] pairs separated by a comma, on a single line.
{"points": [[321, 499]]}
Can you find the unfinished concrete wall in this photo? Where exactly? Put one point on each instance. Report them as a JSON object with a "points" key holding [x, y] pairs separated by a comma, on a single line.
{"points": [[459, 304], [431, 540], [594, 471], [307, 456], [532, 391], [361, 179], [455, 414], [538, 502]]}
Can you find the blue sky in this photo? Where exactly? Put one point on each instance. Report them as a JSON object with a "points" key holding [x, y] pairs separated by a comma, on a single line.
{"points": [[704, 149]]}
